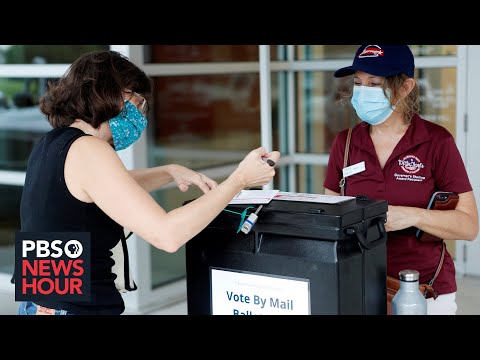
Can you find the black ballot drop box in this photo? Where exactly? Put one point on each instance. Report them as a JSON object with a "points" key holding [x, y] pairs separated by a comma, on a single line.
{"points": [[300, 258]]}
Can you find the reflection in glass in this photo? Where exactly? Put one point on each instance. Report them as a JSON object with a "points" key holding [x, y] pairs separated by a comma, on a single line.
{"points": [[44, 54], [278, 52], [327, 52], [310, 178], [279, 109], [280, 180], [9, 224], [204, 121], [21, 122], [199, 53], [159, 54], [438, 96], [321, 113], [433, 50]]}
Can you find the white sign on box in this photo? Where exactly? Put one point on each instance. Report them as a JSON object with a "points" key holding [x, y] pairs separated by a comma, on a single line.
{"points": [[247, 293]]}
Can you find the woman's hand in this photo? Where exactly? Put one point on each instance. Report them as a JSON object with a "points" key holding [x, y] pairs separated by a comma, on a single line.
{"points": [[254, 170], [458, 224], [185, 177], [399, 217]]}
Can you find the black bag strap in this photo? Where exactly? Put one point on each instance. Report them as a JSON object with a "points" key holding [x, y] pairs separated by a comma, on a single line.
{"points": [[345, 161], [126, 263]]}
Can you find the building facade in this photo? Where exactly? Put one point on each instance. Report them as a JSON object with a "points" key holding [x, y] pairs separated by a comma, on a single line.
{"points": [[212, 105]]}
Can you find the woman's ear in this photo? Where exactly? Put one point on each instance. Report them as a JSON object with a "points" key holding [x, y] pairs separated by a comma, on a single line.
{"points": [[407, 87]]}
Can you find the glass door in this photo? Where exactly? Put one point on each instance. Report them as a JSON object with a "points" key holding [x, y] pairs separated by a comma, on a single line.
{"points": [[470, 250]]}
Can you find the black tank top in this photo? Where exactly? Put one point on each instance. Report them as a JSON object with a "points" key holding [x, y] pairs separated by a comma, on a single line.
{"points": [[48, 205]]}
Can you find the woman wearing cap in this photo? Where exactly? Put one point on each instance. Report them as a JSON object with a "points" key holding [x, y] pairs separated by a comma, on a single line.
{"points": [[407, 159]]}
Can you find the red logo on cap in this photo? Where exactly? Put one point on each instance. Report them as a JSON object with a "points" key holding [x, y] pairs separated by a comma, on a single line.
{"points": [[372, 51]]}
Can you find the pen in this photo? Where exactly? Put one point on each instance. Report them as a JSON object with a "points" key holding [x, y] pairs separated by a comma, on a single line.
{"points": [[269, 162]]}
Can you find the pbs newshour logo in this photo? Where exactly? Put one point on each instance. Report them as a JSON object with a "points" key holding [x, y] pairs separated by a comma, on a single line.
{"points": [[52, 266]]}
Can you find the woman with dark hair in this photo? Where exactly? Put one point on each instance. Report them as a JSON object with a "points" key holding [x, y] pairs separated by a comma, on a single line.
{"points": [[75, 181], [398, 156]]}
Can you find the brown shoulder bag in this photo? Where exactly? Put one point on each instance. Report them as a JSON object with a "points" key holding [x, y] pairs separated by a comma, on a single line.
{"points": [[393, 284]]}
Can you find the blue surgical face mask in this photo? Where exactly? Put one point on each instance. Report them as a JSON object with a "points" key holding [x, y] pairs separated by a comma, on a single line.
{"points": [[371, 104], [127, 127]]}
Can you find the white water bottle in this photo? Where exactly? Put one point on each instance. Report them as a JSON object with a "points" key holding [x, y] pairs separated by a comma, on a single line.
{"points": [[409, 300]]}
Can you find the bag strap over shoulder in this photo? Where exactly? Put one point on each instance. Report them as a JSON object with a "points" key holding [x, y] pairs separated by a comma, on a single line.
{"points": [[345, 161], [121, 267]]}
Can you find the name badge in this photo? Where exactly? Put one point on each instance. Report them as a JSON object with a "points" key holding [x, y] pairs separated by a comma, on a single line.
{"points": [[354, 169]]}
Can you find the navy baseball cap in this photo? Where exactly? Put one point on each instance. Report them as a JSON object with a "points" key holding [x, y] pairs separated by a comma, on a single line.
{"points": [[381, 60]]}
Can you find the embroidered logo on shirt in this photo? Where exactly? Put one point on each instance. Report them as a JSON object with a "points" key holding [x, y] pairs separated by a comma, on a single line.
{"points": [[411, 165]]}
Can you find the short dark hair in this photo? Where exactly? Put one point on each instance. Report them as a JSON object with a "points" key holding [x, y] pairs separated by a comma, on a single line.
{"points": [[92, 89]]}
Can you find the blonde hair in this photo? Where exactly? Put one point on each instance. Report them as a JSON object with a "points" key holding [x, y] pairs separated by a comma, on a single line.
{"points": [[409, 105]]}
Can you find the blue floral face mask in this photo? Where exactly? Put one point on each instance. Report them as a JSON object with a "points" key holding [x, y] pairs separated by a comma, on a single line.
{"points": [[371, 104], [127, 127]]}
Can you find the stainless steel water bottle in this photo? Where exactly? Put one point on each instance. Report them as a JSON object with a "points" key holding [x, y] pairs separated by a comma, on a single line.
{"points": [[409, 300]]}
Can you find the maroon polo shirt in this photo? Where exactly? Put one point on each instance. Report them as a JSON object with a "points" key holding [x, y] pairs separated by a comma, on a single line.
{"points": [[424, 161]]}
